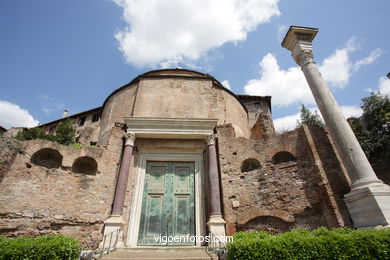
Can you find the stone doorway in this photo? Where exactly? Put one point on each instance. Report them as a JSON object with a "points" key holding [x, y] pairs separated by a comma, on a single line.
{"points": [[168, 199], [168, 204]]}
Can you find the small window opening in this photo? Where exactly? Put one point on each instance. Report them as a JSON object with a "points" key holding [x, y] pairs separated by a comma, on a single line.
{"points": [[256, 105], [82, 120], [95, 117]]}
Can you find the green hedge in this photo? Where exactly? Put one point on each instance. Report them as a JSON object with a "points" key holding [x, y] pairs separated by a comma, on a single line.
{"points": [[42, 247], [322, 243]]}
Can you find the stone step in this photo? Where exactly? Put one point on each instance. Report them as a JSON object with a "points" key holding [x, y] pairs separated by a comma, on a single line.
{"points": [[162, 253]]}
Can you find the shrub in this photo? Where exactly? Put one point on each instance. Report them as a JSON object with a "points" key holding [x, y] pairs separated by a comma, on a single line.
{"points": [[30, 134], [322, 243], [65, 133], [42, 247]]}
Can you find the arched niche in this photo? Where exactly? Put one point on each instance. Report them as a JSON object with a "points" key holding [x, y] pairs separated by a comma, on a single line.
{"points": [[282, 157], [47, 157], [250, 165], [85, 165]]}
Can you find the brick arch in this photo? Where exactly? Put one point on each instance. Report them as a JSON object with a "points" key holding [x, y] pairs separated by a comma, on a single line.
{"points": [[269, 224], [47, 157], [254, 212]]}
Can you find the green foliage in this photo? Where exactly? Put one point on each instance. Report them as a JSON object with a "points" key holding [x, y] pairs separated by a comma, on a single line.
{"points": [[373, 128], [65, 133], [42, 247], [30, 134], [322, 243], [77, 146], [309, 118]]}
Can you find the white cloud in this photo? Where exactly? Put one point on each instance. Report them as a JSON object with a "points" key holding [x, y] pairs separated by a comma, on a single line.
{"points": [[384, 86], [290, 122], [351, 111], [286, 123], [165, 33], [282, 30], [226, 84], [336, 69], [290, 87], [12, 115], [375, 54], [285, 86]]}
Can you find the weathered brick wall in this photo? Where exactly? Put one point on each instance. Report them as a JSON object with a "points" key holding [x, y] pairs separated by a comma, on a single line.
{"points": [[38, 200], [9, 148], [288, 192], [335, 181]]}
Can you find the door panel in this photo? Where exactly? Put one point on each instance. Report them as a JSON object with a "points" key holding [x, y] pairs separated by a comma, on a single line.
{"points": [[153, 201], [168, 206]]}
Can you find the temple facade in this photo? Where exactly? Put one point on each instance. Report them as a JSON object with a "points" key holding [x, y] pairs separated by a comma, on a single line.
{"points": [[173, 153]]}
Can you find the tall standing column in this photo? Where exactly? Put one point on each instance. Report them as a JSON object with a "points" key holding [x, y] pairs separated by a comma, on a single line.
{"points": [[369, 200], [115, 221], [216, 223], [121, 186], [215, 197]]}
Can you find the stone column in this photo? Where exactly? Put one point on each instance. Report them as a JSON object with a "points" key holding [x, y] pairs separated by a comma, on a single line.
{"points": [[369, 200], [121, 186], [216, 223], [115, 221]]}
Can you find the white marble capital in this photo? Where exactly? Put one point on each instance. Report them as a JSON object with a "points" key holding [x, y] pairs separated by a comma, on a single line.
{"points": [[302, 53], [129, 138], [211, 139]]}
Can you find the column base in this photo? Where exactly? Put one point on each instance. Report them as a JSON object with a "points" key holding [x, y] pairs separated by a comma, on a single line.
{"points": [[113, 223], [217, 231], [369, 205]]}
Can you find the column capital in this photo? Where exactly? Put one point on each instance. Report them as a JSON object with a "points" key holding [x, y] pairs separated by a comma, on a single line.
{"points": [[298, 41], [129, 138], [302, 53], [211, 139]]}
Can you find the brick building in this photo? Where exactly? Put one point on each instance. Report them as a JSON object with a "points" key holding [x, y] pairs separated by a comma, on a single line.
{"points": [[172, 152]]}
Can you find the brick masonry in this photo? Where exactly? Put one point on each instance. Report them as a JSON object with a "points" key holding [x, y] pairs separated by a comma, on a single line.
{"points": [[35, 200], [289, 193]]}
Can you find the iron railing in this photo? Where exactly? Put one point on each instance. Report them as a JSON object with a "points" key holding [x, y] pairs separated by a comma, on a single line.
{"points": [[217, 246], [106, 249]]}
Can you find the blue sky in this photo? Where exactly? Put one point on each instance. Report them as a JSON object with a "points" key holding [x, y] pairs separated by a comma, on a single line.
{"points": [[57, 55]]}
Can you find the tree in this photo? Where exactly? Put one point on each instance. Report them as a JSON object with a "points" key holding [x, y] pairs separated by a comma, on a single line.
{"points": [[65, 133], [372, 129], [310, 118]]}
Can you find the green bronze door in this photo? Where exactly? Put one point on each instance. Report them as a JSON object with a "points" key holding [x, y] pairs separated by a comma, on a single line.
{"points": [[168, 204]]}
